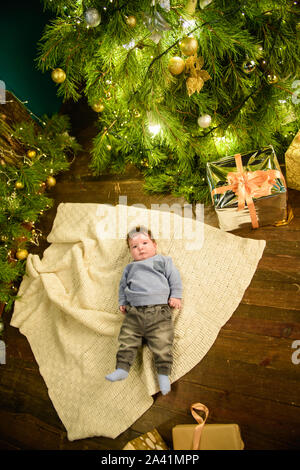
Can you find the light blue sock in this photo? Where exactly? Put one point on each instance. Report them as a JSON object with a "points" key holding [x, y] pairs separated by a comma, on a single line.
{"points": [[164, 383], [118, 374]]}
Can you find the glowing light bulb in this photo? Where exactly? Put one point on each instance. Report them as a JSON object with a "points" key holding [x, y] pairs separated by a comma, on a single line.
{"points": [[154, 129]]}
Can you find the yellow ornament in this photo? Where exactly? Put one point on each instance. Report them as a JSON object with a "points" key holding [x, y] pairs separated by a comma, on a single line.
{"points": [[21, 254], [131, 21], [272, 78], [188, 46], [98, 107], [176, 65], [108, 147], [51, 181], [19, 185], [31, 153], [58, 75]]}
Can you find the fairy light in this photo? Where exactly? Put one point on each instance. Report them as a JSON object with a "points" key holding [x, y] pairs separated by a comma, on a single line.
{"points": [[154, 129], [129, 45], [186, 24]]}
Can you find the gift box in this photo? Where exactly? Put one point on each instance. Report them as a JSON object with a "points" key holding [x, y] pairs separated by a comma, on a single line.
{"points": [[292, 163], [203, 436], [248, 190], [152, 440]]}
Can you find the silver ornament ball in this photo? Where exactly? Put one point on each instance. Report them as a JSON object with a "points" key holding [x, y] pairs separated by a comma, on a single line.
{"points": [[204, 120], [249, 66], [92, 17]]}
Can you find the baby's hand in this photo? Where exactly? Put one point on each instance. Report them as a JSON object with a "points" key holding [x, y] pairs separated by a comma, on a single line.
{"points": [[123, 308], [175, 303]]}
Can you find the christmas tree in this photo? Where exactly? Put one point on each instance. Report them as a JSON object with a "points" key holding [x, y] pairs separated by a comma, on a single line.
{"points": [[32, 151], [175, 84]]}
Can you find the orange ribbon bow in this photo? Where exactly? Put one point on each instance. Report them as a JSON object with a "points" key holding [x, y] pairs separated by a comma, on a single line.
{"points": [[200, 421], [249, 184]]}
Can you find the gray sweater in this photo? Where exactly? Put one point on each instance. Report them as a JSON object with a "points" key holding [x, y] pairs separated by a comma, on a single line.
{"points": [[150, 282]]}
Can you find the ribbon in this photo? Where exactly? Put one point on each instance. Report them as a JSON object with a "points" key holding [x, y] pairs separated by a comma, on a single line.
{"points": [[249, 184], [200, 421]]}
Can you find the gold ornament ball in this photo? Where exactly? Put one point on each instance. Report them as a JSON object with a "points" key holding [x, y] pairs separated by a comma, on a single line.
{"points": [[108, 147], [19, 185], [31, 153], [1, 326], [131, 21], [51, 181], [176, 65], [58, 75], [188, 46], [272, 78], [21, 254], [98, 107]]}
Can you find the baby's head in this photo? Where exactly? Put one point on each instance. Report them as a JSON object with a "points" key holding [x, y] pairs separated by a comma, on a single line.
{"points": [[141, 243]]}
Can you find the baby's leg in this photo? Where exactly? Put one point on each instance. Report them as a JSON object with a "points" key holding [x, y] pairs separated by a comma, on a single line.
{"points": [[160, 337], [130, 338]]}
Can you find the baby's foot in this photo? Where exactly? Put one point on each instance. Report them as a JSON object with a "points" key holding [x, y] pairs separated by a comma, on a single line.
{"points": [[164, 383], [118, 374]]}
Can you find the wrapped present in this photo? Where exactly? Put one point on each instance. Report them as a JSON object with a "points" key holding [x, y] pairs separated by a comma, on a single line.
{"points": [[292, 163], [248, 189], [203, 436], [152, 440]]}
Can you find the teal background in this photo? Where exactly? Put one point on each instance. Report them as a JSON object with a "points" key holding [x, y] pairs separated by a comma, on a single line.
{"points": [[21, 27]]}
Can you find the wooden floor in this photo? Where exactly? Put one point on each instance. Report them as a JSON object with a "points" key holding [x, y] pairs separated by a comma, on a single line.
{"points": [[248, 376]]}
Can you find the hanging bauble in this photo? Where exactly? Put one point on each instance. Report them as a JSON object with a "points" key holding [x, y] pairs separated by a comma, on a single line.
{"points": [[58, 75], [188, 46], [2, 162], [19, 185], [204, 3], [272, 78], [176, 65], [109, 147], [131, 21], [98, 107], [21, 254], [204, 120], [1, 328], [92, 17], [248, 66], [190, 6], [51, 181], [31, 153]]}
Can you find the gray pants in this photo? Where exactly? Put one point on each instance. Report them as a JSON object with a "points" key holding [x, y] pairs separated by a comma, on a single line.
{"points": [[154, 323]]}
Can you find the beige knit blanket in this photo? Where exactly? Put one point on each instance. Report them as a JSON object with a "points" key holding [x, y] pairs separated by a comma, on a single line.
{"points": [[68, 308]]}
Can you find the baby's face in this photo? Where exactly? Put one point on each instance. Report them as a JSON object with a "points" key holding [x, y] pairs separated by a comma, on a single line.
{"points": [[142, 247]]}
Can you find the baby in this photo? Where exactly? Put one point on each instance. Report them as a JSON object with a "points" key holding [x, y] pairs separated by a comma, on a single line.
{"points": [[149, 286]]}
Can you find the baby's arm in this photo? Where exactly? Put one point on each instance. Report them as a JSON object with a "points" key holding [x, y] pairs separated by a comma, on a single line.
{"points": [[175, 284], [122, 297]]}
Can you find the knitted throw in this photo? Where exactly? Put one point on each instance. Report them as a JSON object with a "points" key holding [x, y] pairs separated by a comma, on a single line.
{"points": [[69, 313]]}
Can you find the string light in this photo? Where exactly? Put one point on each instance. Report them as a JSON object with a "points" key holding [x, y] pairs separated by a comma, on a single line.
{"points": [[154, 129]]}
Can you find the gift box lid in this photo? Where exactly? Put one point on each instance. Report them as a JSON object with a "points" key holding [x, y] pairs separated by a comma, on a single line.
{"points": [[213, 437], [152, 440]]}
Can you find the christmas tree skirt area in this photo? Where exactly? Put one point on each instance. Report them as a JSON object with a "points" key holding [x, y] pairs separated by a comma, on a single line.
{"points": [[68, 308]]}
